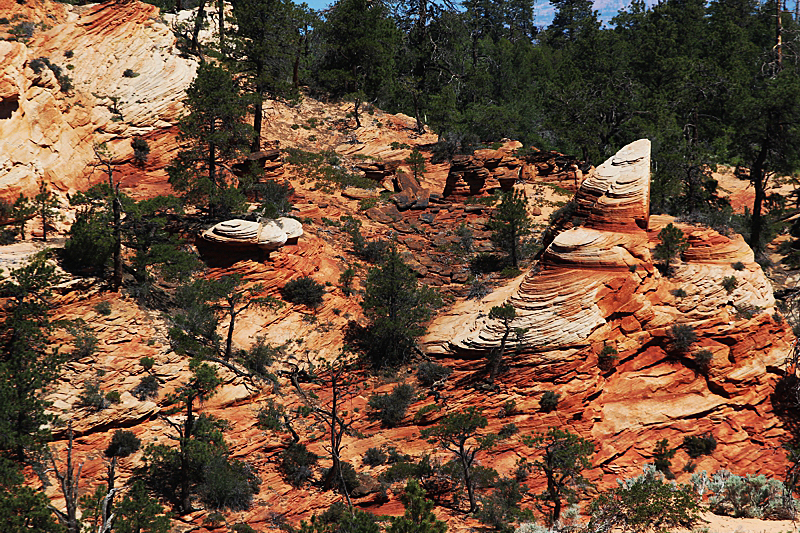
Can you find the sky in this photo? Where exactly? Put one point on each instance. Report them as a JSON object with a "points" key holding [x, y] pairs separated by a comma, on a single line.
{"points": [[544, 10]]}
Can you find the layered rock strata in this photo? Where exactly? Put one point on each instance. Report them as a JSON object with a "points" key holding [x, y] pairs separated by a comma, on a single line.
{"points": [[597, 286], [265, 234]]}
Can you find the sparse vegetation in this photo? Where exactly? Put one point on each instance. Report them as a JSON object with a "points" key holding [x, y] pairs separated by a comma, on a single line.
{"points": [[391, 408], [549, 401], [673, 243], [429, 373], [729, 283], [683, 337], [304, 291]]}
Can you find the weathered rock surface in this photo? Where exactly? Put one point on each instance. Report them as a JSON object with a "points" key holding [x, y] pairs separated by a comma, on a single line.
{"points": [[597, 285], [46, 133], [266, 234]]}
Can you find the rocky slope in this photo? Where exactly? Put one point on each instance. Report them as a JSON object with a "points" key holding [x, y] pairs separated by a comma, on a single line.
{"points": [[595, 285]]}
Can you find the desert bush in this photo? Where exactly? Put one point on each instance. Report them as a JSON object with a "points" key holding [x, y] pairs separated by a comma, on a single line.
{"points": [[129, 73], [485, 263], [228, 484], [549, 401], [304, 291], [103, 308], [729, 283], [607, 358], [678, 293], [374, 457], [147, 388], [683, 337], [346, 280], [113, 397], [91, 396], [90, 243], [297, 464], [703, 359], [84, 341], [402, 470], [391, 408], [270, 417], [394, 456], [645, 503], [699, 445], [662, 458], [141, 150], [738, 265], [429, 373], [259, 357], [348, 478], [749, 497], [478, 289], [147, 363]]}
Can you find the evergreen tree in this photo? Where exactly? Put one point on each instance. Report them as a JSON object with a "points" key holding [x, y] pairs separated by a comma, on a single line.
{"points": [[29, 361], [24, 510], [673, 243], [396, 307], [510, 223], [418, 517], [565, 457], [505, 314], [455, 433], [417, 163], [21, 211], [138, 512], [47, 204], [360, 41], [212, 135], [265, 41]]}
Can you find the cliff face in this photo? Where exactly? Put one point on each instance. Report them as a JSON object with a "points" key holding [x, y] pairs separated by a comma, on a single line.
{"points": [[46, 130], [597, 285]]}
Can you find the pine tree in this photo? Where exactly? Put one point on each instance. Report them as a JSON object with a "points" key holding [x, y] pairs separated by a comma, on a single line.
{"points": [[30, 362], [673, 243], [418, 517], [212, 135], [510, 223], [360, 41], [460, 434], [396, 307], [24, 510], [47, 204]]}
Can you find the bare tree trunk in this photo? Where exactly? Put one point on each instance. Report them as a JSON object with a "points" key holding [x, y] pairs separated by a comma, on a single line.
{"points": [[198, 24], [258, 110], [68, 480], [185, 492], [759, 180], [229, 342]]}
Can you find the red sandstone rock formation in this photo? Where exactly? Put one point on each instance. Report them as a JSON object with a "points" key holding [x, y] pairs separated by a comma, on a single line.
{"points": [[597, 285]]}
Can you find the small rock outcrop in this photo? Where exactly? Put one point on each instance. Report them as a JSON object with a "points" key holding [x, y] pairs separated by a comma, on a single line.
{"points": [[264, 235]]}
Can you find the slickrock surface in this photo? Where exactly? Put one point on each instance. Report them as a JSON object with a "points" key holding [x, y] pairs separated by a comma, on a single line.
{"points": [[50, 133]]}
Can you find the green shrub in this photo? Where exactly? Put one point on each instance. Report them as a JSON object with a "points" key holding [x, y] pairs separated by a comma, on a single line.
{"points": [[348, 479], [147, 363], [89, 243], [486, 263], [147, 388], [429, 373], [297, 464], [729, 283], [103, 308], [346, 280], [703, 359], [683, 337], [738, 265], [645, 503], [374, 457], [270, 417], [228, 484], [549, 401], [607, 358], [419, 416], [749, 497], [402, 470], [242, 528], [129, 73], [304, 291], [258, 358], [123, 443], [697, 446], [662, 458], [91, 396], [141, 150], [510, 272], [678, 293], [84, 341], [501, 509], [391, 408], [113, 397]]}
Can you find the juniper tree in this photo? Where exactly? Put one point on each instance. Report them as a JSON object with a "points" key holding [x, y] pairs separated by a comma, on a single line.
{"points": [[673, 243], [47, 204], [510, 223], [460, 434], [505, 314], [564, 458]]}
